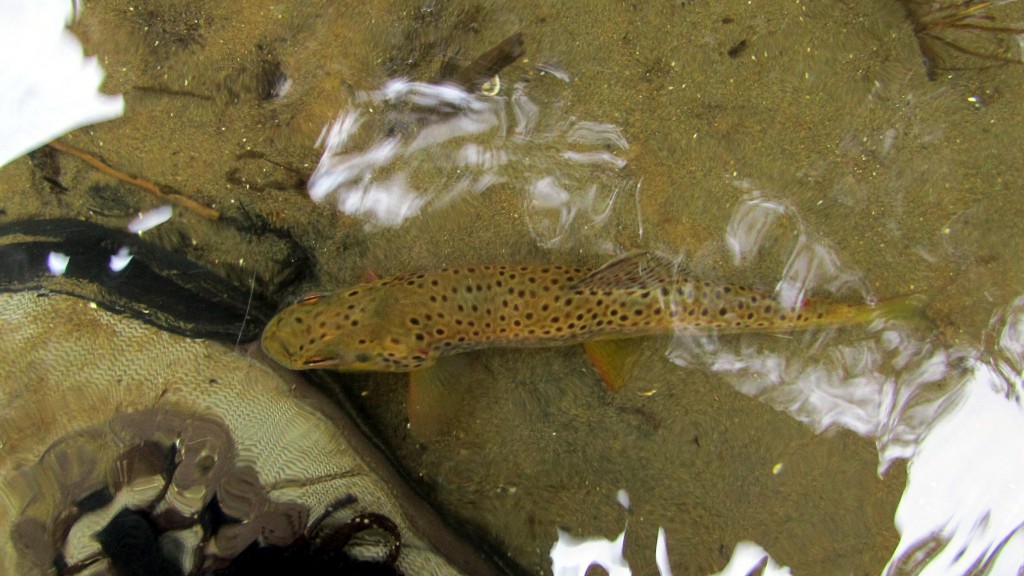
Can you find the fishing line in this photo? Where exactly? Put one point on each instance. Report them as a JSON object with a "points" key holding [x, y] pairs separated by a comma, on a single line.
{"points": [[248, 306]]}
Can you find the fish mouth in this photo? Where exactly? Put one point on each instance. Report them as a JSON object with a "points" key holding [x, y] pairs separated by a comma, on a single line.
{"points": [[319, 362], [279, 352]]}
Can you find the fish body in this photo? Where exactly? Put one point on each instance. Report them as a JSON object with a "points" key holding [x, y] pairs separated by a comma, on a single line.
{"points": [[407, 322]]}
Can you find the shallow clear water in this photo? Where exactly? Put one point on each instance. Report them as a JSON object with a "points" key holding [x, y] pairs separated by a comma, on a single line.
{"points": [[800, 148]]}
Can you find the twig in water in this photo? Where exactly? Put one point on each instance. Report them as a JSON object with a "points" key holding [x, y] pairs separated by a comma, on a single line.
{"points": [[187, 203]]}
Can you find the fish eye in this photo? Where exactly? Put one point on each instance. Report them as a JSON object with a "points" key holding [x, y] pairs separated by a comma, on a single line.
{"points": [[362, 358]]}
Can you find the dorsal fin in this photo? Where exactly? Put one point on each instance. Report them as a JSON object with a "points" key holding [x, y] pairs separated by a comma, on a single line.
{"points": [[632, 270]]}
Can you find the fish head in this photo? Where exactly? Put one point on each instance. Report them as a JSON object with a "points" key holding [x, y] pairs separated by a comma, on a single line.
{"points": [[338, 332]]}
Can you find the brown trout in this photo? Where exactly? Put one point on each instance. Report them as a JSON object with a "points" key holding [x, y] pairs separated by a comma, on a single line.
{"points": [[408, 322]]}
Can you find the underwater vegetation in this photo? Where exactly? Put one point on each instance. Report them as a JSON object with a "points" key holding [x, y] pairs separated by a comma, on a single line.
{"points": [[965, 34]]}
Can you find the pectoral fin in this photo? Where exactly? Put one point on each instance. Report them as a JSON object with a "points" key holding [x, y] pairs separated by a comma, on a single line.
{"points": [[437, 398], [614, 360]]}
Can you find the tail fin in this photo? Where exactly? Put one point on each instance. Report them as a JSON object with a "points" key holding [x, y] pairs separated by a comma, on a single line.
{"points": [[910, 308]]}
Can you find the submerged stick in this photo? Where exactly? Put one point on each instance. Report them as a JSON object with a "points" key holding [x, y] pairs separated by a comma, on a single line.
{"points": [[186, 203], [490, 63]]}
